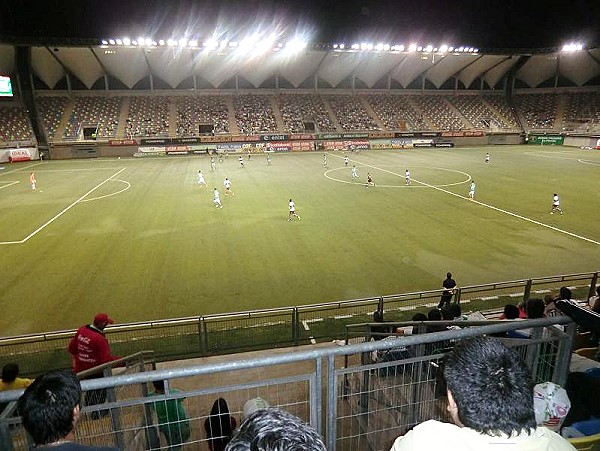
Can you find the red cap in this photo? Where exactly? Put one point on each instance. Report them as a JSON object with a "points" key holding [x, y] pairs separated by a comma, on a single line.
{"points": [[102, 318]]}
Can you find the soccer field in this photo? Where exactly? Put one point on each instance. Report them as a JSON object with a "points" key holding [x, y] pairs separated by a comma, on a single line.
{"points": [[139, 239]]}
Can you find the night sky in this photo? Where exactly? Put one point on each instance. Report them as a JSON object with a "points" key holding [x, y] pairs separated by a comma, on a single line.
{"points": [[484, 24]]}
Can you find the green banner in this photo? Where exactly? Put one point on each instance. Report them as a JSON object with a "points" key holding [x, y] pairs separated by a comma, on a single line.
{"points": [[554, 140]]}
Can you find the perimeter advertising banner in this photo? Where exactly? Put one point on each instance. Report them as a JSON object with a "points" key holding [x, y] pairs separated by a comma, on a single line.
{"points": [[553, 140], [15, 155]]}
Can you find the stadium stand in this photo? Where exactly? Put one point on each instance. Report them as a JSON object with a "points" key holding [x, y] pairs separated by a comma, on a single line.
{"points": [[350, 113], [396, 112], [297, 109], [51, 109], [538, 110], [254, 114], [14, 124], [481, 115], [192, 111], [100, 112], [441, 115], [582, 112], [507, 114], [148, 116]]}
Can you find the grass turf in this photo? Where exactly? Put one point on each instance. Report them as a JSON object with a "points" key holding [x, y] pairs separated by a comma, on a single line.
{"points": [[149, 244]]}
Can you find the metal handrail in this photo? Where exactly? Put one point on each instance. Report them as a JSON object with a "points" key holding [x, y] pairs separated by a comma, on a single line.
{"points": [[113, 364]]}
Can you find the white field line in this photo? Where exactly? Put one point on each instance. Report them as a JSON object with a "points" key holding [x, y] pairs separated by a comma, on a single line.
{"points": [[343, 316], [20, 169], [9, 184], [487, 298], [58, 215], [533, 221], [128, 185], [306, 328], [593, 163]]}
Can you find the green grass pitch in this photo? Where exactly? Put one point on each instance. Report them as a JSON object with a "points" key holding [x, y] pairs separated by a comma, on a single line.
{"points": [[139, 239]]}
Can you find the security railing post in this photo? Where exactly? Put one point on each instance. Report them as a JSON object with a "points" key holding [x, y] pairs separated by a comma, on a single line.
{"points": [[563, 355], [527, 291], [593, 283], [203, 336], [331, 404], [295, 326]]}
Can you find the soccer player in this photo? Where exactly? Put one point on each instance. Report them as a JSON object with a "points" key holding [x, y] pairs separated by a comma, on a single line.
{"points": [[370, 181], [227, 184], [241, 159], [268, 158], [201, 180], [324, 160], [556, 205], [407, 177], [472, 190], [32, 181], [213, 166], [487, 157], [221, 156], [346, 161], [217, 199], [292, 207], [354, 172]]}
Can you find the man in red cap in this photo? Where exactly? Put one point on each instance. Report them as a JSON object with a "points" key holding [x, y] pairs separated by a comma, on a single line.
{"points": [[89, 348]]}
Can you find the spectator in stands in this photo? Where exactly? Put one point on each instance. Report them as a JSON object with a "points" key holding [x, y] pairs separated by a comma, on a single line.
{"points": [[549, 301], [584, 393], [490, 401], [50, 409], [172, 417], [219, 426], [511, 311], [378, 330], [275, 430], [535, 308], [594, 301], [449, 286], [435, 315], [10, 379], [89, 348]]}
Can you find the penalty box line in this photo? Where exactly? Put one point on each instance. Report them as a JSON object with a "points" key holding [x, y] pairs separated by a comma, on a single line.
{"points": [[58, 215], [515, 215]]}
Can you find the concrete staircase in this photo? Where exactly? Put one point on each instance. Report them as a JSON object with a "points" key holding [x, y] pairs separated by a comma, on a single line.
{"points": [[332, 115], [430, 125], [172, 118], [64, 120], [233, 128], [277, 113], [456, 111], [370, 111], [561, 108], [123, 117]]}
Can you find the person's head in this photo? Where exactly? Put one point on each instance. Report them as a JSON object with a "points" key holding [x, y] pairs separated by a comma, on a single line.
{"points": [[449, 275], [290, 200], [490, 388], [447, 314], [101, 320], [535, 308], [434, 315], [50, 407], [275, 430], [10, 371], [565, 293], [219, 423], [455, 310], [159, 386], [511, 311], [419, 317], [378, 316]]}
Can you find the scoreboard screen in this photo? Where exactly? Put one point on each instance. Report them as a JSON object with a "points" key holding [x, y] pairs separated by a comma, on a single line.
{"points": [[5, 86]]}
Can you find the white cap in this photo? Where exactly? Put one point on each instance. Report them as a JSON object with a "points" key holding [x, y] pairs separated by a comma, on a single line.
{"points": [[253, 405]]}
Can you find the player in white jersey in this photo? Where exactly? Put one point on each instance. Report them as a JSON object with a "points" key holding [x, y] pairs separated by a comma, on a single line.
{"points": [[487, 157], [201, 180], [213, 165], [324, 160], [268, 158], [217, 198], [227, 185], [472, 190], [354, 174], [407, 177], [292, 207], [556, 205], [241, 160]]}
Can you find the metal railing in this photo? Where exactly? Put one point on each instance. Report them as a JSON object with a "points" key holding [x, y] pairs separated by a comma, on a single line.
{"points": [[355, 402], [264, 329]]}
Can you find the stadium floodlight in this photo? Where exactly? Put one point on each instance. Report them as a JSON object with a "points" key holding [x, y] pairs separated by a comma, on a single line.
{"points": [[460, 49], [363, 45], [148, 42], [211, 44], [412, 48], [193, 43], [335, 46], [141, 41], [342, 46], [429, 48], [171, 42], [119, 41], [183, 42], [161, 42], [126, 41], [400, 48], [134, 42], [579, 47], [475, 50], [419, 48], [443, 48], [104, 42], [386, 47], [355, 46], [111, 42], [233, 44]]}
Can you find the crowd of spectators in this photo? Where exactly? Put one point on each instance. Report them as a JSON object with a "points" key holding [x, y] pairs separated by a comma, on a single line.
{"points": [[254, 114], [396, 112], [148, 116], [508, 114], [197, 110], [51, 109], [439, 112], [351, 114], [479, 113], [582, 112], [538, 110], [298, 109], [100, 112]]}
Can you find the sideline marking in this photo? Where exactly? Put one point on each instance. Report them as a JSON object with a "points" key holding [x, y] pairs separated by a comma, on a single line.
{"points": [[50, 221], [9, 184], [19, 169], [592, 163], [533, 221]]}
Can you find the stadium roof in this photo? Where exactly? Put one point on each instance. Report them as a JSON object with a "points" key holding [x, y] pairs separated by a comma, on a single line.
{"points": [[174, 64]]}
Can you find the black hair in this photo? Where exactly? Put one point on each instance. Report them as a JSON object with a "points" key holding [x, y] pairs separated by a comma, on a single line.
{"points": [[218, 425], [159, 385], [10, 371], [434, 315], [492, 387], [447, 314], [455, 310], [419, 317], [511, 311], [535, 308], [565, 293], [47, 406]]}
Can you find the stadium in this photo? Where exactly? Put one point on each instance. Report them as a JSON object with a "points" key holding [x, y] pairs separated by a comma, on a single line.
{"points": [[101, 144]]}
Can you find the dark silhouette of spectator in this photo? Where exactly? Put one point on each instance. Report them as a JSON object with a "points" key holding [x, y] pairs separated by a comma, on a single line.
{"points": [[10, 379], [584, 393], [219, 426], [378, 331], [172, 417], [535, 308], [418, 317], [449, 286], [435, 315], [50, 409], [511, 311], [273, 429]]}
